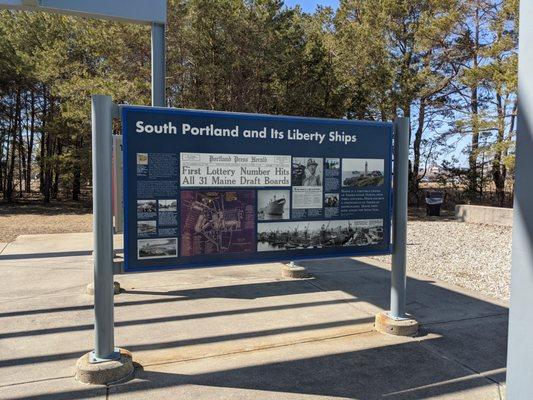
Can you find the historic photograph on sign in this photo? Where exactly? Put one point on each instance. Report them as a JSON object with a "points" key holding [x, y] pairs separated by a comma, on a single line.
{"points": [[318, 234], [217, 222], [146, 228], [360, 172], [273, 204], [331, 200], [146, 209], [331, 205], [333, 164], [157, 248], [307, 182], [168, 205], [306, 171], [142, 158]]}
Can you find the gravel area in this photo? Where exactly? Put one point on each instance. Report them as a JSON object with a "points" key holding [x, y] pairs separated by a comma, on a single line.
{"points": [[32, 218], [474, 256]]}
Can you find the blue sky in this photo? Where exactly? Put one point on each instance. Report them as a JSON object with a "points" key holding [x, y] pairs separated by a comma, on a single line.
{"points": [[310, 5]]}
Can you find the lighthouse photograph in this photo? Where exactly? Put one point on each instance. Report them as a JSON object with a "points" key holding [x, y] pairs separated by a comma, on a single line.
{"points": [[360, 172]]}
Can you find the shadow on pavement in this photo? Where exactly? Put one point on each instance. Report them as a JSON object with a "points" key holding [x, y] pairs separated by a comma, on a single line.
{"points": [[466, 338]]}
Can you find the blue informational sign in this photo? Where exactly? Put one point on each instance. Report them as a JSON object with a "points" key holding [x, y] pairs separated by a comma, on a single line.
{"points": [[212, 188]]}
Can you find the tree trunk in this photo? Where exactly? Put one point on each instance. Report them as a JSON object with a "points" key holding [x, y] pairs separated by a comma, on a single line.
{"points": [[57, 171], [47, 162], [499, 171], [30, 144], [14, 131], [76, 182], [415, 179]]}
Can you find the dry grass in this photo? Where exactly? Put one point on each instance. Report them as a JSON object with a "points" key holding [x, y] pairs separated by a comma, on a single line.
{"points": [[33, 217]]}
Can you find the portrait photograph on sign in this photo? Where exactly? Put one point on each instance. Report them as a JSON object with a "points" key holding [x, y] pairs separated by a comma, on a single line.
{"points": [[213, 188]]}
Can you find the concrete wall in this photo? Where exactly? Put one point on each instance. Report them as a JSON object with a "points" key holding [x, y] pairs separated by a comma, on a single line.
{"points": [[484, 215]]}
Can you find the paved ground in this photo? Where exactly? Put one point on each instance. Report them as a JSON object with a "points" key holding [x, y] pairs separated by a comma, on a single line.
{"points": [[243, 332]]}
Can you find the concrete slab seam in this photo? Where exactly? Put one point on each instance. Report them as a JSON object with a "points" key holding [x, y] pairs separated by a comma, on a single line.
{"points": [[436, 352], [349, 303], [341, 271], [36, 381], [257, 349], [429, 386], [465, 319]]}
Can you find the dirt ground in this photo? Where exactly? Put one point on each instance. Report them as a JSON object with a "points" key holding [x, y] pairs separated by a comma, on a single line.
{"points": [[31, 217]]}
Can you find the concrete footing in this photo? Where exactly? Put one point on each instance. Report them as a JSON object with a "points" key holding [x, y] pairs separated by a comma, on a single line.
{"points": [[294, 271], [102, 373], [397, 327], [116, 288]]}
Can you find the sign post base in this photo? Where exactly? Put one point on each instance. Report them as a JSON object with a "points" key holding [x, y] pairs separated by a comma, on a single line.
{"points": [[291, 270], [103, 372], [116, 288], [396, 326]]}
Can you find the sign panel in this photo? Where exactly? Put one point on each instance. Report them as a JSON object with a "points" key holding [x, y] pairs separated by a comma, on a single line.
{"points": [[212, 188], [139, 11]]}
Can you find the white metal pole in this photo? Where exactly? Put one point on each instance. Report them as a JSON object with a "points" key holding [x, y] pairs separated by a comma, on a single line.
{"points": [[520, 345]]}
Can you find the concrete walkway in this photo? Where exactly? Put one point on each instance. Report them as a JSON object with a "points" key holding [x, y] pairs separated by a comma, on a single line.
{"points": [[243, 332]]}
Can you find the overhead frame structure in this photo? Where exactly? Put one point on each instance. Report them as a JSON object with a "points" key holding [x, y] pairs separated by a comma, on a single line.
{"points": [[146, 12]]}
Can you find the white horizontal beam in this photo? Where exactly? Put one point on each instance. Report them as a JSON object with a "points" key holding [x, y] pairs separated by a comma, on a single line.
{"points": [[136, 11]]}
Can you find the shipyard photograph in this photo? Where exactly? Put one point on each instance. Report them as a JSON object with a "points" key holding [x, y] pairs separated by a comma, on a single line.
{"points": [[278, 236], [273, 204], [157, 248], [145, 228], [168, 205], [146, 207], [360, 172]]}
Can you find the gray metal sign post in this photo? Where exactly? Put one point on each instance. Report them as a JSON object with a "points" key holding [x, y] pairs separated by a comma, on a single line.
{"points": [[102, 124], [399, 218], [396, 321], [520, 347], [158, 65], [113, 364]]}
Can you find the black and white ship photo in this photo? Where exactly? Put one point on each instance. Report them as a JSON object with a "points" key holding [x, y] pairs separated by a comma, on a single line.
{"points": [[146, 207], [157, 248], [361, 172], [278, 236], [146, 228], [273, 204], [168, 205]]}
